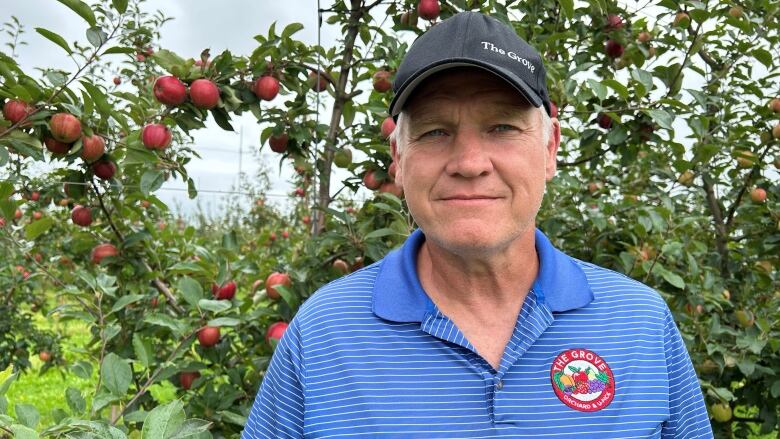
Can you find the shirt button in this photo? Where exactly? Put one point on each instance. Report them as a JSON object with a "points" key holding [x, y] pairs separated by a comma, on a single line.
{"points": [[500, 385]]}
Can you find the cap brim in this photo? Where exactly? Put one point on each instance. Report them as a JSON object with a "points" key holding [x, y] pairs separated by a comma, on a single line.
{"points": [[397, 104]]}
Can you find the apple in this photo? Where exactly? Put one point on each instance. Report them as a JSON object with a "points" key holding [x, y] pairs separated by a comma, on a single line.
{"points": [[745, 159], [275, 332], [736, 11], [370, 180], [226, 292], [721, 412], [272, 236], [204, 94], [428, 9], [553, 109], [18, 214], [103, 250], [37, 215], [92, 147], [613, 49], [382, 81], [55, 146], [65, 127], [35, 196], [285, 234], [777, 162], [387, 128], [81, 215], [343, 157], [278, 143], [409, 18], [726, 294], [169, 90], [341, 266], [686, 178], [681, 19], [38, 257], [104, 169], [186, 379], [16, 111], [275, 279], [614, 22], [306, 219], [2, 222], [358, 264], [117, 80], [266, 87], [140, 57], [745, 318], [392, 188], [595, 186], [45, 356], [318, 86], [644, 37], [208, 336], [758, 195], [299, 192], [154, 301], [776, 131], [257, 284], [604, 121], [156, 136], [774, 104]]}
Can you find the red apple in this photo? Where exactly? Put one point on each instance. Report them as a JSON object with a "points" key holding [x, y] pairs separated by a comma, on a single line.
{"points": [[272, 236], [117, 80], [273, 280], [2, 222], [226, 292], [605, 121], [388, 126], [37, 215], [382, 81], [18, 214], [103, 250], [65, 127], [774, 104], [156, 136], [278, 143], [92, 147], [257, 284], [614, 22], [81, 215], [306, 219], [613, 49], [35, 196], [16, 111], [266, 87], [186, 379], [275, 332], [758, 195], [370, 180], [341, 266], [55, 146], [318, 86], [45, 356], [104, 169], [169, 90], [208, 336], [428, 9], [204, 94], [644, 37], [392, 188], [300, 192], [285, 234]]}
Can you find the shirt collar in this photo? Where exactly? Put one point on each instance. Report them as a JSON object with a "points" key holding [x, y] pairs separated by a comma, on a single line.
{"points": [[398, 295]]}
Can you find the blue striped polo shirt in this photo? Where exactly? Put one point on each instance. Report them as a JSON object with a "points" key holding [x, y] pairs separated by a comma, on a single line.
{"points": [[594, 354]]}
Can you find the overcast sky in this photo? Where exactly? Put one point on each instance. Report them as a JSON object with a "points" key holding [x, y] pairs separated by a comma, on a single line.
{"points": [[197, 24]]}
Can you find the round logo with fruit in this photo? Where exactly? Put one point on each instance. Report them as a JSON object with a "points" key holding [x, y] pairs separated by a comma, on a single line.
{"points": [[582, 380]]}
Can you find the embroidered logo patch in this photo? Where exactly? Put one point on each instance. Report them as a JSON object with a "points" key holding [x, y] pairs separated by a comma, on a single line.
{"points": [[582, 380]]}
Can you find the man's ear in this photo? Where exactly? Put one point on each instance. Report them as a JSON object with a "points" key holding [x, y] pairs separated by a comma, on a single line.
{"points": [[552, 149], [397, 160]]}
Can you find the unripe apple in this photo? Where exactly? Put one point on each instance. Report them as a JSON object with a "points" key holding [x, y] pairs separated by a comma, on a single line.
{"points": [[736, 11], [16, 111], [226, 292], [681, 19], [65, 127], [605, 121], [266, 87], [117, 80], [104, 169], [275, 332], [169, 90], [370, 180], [45, 356], [317, 86], [758, 195], [81, 215], [273, 280], [686, 178], [774, 104], [392, 188], [341, 266], [613, 49], [103, 250], [745, 159], [92, 147], [428, 9], [644, 37], [343, 157], [278, 143], [156, 136], [55, 146], [387, 128], [745, 318], [208, 336], [382, 81], [186, 379], [721, 412], [614, 22], [204, 94], [776, 131], [409, 18], [777, 162]]}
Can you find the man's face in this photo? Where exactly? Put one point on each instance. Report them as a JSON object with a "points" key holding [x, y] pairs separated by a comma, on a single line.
{"points": [[472, 161]]}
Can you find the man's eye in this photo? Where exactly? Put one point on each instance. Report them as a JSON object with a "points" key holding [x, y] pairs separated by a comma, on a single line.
{"points": [[434, 133], [504, 127]]}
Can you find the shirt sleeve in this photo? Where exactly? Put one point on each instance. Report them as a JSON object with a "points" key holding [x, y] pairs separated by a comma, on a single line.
{"points": [[279, 405], [687, 413]]}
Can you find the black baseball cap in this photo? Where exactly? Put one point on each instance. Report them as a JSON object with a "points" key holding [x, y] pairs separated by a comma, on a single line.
{"points": [[476, 40]]}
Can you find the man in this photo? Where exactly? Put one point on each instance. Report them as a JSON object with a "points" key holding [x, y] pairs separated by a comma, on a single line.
{"points": [[477, 326]]}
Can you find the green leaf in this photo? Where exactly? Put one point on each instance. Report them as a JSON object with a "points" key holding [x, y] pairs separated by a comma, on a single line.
{"points": [[288, 296], [23, 432], [116, 374], [75, 401], [191, 191], [6, 190], [7, 377], [152, 180], [4, 157], [117, 49], [185, 267], [27, 414], [82, 369], [619, 88], [143, 351], [120, 5], [126, 300], [166, 321], [567, 6], [193, 429], [215, 306], [661, 117], [763, 56], [54, 38], [190, 290], [164, 421], [38, 227], [96, 36], [82, 9], [222, 118], [598, 89], [673, 279], [291, 29], [224, 321], [379, 233]]}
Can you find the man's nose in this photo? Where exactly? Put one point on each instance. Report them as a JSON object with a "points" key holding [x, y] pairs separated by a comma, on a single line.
{"points": [[469, 156]]}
